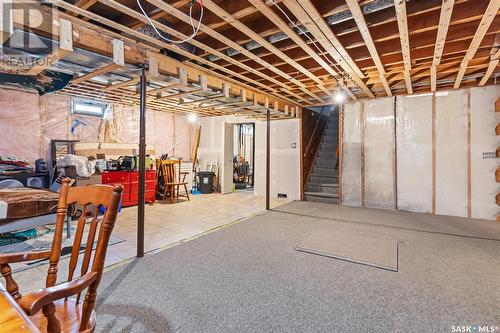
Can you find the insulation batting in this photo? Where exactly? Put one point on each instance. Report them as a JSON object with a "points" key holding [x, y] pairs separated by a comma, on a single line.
{"points": [[28, 122]]}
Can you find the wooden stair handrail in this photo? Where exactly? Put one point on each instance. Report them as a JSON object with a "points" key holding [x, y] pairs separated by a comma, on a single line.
{"points": [[314, 132]]}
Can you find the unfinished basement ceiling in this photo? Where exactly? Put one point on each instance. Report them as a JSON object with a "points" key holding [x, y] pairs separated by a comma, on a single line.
{"points": [[247, 18], [302, 51]]}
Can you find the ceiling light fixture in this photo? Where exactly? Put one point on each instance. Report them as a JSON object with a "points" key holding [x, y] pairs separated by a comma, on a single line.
{"points": [[192, 117], [339, 97]]}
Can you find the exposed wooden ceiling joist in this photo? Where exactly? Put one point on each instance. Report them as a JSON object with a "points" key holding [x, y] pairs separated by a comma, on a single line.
{"points": [[486, 21], [304, 11]]}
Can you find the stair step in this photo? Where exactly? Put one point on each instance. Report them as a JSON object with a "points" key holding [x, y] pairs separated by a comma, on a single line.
{"points": [[327, 154], [315, 179], [313, 187], [325, 162], [320, 171], [328, 148], [321, 197], [322, 194], [330, 188]]}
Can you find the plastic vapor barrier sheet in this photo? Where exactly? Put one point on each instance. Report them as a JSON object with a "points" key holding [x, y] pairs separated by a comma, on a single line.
{"points": [[379, 150], [451, 153], [484, 143], [414, 153], [351, 155]]}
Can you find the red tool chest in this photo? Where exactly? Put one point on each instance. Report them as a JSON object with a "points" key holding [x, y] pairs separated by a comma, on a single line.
{"points": [[130, 182]]}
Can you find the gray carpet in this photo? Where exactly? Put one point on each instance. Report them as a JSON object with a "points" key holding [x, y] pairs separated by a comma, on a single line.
{"points": [[249, 278], [371, 251]]}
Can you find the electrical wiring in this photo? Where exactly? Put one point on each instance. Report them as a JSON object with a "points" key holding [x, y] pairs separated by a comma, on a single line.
{"points": [[315, 45], [195, 30]]}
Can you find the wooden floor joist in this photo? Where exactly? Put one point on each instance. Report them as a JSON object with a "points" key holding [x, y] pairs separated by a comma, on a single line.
{"points": [[495, 58], [184, 17], [166, 64], [294, 51], [484, 25], [316, 25], [402, 17]]}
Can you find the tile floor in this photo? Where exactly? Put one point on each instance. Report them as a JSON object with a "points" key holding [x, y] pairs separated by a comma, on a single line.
{"points": [[165, 224]]}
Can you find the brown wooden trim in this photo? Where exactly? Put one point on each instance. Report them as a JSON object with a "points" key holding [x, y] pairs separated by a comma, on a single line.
{"points": [[469, 158], [362, 125], [434, 153], [301, 126], [340, 148]]}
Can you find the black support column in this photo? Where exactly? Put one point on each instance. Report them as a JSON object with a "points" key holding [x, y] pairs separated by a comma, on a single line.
{"points": [[142, 166]]}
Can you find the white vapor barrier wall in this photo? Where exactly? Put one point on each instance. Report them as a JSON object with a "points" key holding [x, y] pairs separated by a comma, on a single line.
{"points": [[351, 152], [414, 153], [379, 146], [484, 143], [451, 153], [285, 159]]}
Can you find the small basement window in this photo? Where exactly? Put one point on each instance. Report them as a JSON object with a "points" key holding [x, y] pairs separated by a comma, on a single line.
{"points": [[88, 107]]}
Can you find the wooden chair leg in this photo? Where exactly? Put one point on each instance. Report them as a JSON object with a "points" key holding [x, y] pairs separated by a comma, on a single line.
{"points": [[11, 284], [53, 324], [187, 193]]}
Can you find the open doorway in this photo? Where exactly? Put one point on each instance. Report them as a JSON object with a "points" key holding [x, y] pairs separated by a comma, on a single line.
{"points": [[244, 157]]}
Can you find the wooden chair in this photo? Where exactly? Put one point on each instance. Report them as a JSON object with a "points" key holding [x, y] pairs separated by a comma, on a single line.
{"points": [[60, 313], [173, 180]]}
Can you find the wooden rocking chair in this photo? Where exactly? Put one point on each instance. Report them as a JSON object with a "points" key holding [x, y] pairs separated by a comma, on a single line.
{"points": [[60, 313], [173, 180]]}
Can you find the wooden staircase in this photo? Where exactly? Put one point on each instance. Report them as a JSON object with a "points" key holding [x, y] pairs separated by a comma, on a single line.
{"points": [[323, 182]]}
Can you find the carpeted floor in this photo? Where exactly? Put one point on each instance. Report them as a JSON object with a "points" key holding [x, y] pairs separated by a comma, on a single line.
{"points": [[249, 278]]}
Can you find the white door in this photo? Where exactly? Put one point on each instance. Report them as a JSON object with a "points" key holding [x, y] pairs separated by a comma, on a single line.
{"points": [[227, 160]]}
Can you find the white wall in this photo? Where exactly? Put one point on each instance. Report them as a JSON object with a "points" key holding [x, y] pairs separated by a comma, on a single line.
{"points": [[414, 145], [285, 160]]}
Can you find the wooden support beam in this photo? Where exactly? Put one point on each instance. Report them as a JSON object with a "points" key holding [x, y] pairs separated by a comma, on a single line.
{"points": [[488, 17], [153, 68], [433, 78], [85, 4], [276, 19], [214, 34], [209, 4], [340, 52], [100, 71], [495, 58], [65, 48], [365, 33], [92, 38], [444, 23], [402, 18], [359, 18], [47, 61], [407, 76], [316, 25], [203, 88]]}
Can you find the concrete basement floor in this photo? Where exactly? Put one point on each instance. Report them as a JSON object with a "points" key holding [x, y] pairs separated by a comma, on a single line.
{"points": [[165, 224]]}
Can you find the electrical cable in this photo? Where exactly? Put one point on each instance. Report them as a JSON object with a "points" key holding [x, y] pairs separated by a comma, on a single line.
{"points": [[195, 30], [316, 46]]}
